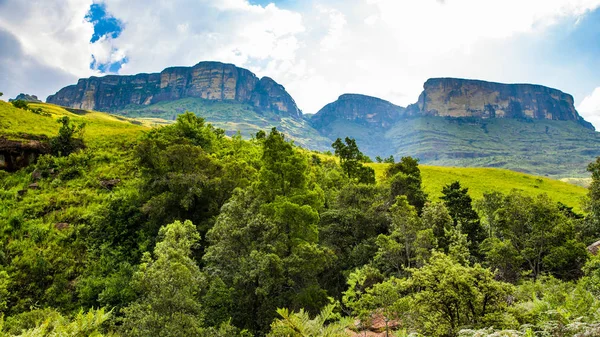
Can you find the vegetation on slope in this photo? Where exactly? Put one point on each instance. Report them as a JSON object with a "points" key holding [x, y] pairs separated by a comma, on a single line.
{"points": [[233, 117], [181, 231], [541, 147]]}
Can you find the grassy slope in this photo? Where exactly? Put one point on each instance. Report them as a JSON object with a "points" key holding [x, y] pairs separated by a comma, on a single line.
{"points": [[234, 117], [100, 128], [483, 180], [557, 149], [542, 147], [104, 130]]}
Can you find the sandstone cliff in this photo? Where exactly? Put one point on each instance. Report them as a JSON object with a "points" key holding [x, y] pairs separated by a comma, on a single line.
{"points": [[473, 98], [213, 81], [361, 109]]}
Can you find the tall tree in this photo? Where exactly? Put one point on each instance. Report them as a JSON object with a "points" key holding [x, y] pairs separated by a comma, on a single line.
{"points": [[169, 285], [459, 205], [405, 179], [351, 160]]}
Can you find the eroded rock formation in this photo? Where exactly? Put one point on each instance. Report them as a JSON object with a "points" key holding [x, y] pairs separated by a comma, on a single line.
{"points": [[213, 81], [473, 98]]}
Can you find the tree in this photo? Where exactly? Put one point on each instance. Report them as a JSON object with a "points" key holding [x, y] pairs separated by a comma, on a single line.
{"points": [[408, 244], [351, 160], [592, 204], [265, 247], [69, 137], [283, 170], [459, 205], [169, 285], [435, 216], [405, 179], [447, 296], [541, 234]]}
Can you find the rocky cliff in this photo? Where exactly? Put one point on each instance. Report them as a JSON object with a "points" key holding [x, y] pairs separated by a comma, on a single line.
{"points": [[360, 109], [473, 98], [26, 98], [212, 81]]}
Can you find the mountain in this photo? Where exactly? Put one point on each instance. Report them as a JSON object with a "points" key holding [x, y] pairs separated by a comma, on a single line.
{"points": [[455, 122], [454, 97], [212, 81], [229, 97], [471, 123], [364, 118], [26, 98]]}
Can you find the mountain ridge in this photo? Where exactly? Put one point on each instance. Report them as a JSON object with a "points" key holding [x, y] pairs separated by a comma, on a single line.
{"points": [[454, 122], [213, 81]]}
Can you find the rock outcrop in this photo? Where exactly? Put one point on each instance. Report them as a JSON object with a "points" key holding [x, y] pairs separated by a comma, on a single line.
{"points": [[213, 81], [360, 109], [15, 155], [26, 98], [473, 98]]}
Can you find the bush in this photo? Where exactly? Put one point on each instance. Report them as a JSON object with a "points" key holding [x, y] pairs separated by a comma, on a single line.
{"points": [[20, 104], [68, 139]]}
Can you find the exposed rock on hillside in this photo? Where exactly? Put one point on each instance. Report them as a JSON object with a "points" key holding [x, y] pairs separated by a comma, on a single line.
{"points": [[26, 98], [473, 98], [361, 109], [15, 155], [212, 81]]}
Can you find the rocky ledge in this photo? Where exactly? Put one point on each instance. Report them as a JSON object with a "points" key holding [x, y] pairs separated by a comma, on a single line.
{"points": [[213, 81]]}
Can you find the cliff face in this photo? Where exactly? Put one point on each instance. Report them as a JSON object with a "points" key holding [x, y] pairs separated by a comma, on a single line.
{"points": [[365, 110], [472, 98], [213, 81]]}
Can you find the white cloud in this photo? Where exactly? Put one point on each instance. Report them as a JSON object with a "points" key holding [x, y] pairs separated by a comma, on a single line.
{"points": [[589, 108], [319, 50]]}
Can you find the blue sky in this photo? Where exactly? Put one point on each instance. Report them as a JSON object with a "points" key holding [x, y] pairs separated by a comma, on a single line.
{"points": [[318, 49]]}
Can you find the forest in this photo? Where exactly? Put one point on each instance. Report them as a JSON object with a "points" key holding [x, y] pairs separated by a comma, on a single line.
{"points": [[184, 231]]}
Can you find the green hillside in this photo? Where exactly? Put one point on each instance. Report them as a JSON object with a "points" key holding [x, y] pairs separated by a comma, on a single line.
{"points": [[485, 180], [557, 149], [100, 127], [143, 224], [541, 147], [233, 117]]}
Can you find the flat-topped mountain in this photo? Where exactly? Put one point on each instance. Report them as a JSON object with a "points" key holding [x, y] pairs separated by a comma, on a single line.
{"points": [[454, 122], [456, 97], [211, 81]]}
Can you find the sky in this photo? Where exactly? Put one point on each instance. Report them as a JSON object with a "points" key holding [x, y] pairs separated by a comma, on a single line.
{"points": [[317, 49]]}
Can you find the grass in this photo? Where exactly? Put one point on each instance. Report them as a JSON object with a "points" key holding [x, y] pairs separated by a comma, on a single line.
{"points": [[101, 128], [105, 130], [485, 180]]}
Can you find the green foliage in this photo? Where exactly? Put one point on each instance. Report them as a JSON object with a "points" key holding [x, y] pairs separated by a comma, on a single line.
{"points": [[53, 324], [284, 228], [299, 324], [69, 137], [409, 243], [20, 104], [168, 287], [283, 170], [351, 159], [405, 179], [459, 205]]}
